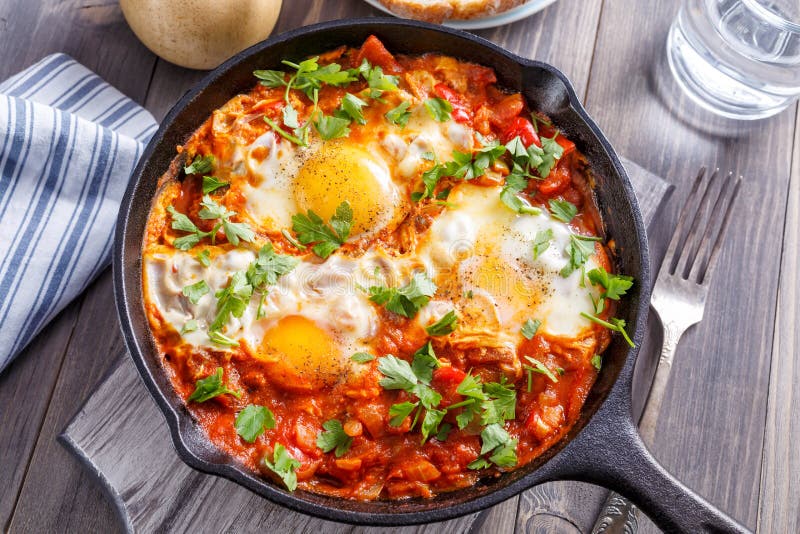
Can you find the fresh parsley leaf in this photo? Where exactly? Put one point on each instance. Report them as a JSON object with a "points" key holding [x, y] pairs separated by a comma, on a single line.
{"points": [[310, 228], [283, 133], [292, 241], [351, 106], [444, 431], [237, 231], [579, 249], [289, 115], [439, 109], [213, 210], [195, 292], [334, 437], [212, 183], [562, 210], [189, 326], [551, 153], [468, 414], [200, 165], [184, 224], [493, 436], [253, 421], [210, 387], [406, 300], [597, 361], [270, 78], [362, 357], [283, 465], [541, 242], [268, 267], [397, 374], [424, 362], [445, 325], [204, 257], [505, 455], [430, 423], [331, 127], [501, 404], [529, 328], [480, 463], [472, 387], [615, 285], [429, 178], [399, 412], [221, 339], [232, 300], [399, 115], [615, 324], [538, 367], [509, 195], [379, 82]]}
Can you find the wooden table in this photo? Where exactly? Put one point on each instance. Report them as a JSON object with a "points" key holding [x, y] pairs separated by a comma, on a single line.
{"points": [[729, 425]]}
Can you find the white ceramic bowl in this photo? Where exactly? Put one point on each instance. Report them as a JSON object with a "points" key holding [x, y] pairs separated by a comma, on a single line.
{"points": [[507, 17]]}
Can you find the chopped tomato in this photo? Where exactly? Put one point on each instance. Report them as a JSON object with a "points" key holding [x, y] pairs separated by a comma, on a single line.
{"points": [[374, 51], [446, 381], [505, 110], [566, 144], [461, 111], [522, 127], [556, 182]]}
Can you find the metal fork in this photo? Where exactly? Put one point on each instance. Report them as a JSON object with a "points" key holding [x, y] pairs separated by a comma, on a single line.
{"points": [[679, 298]]}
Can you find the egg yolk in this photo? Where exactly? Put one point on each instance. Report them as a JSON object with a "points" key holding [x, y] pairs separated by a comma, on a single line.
{"points": [[304, 355], [340, 172]]}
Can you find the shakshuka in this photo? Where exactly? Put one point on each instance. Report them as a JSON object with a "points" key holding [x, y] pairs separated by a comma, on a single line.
{"points": [[379, 276]]}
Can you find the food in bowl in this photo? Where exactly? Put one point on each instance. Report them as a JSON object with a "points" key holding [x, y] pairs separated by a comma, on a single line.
{"points": [[440, 10], [378, 276]]}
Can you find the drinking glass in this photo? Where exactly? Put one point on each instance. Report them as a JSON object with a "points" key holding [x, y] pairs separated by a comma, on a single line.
{"points": [[737, 58]]}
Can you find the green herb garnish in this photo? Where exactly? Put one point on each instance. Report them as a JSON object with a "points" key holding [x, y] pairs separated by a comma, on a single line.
{"points": [[283, 465], [334, 437], [310, 228], [406, 300], [210, 387], [253, 421]]}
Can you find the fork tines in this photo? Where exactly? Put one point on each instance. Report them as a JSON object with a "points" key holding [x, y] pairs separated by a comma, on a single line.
{"points": [[691, 254]]}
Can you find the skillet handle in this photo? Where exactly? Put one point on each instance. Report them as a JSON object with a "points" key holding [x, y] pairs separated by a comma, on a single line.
{"points": [[616, 457]]}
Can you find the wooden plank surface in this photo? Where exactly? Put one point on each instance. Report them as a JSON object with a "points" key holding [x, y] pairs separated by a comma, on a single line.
{"points": [[717, 404], [711, 428], [780, 468]]}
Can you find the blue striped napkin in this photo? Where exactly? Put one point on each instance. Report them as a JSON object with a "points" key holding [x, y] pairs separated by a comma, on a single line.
{"points": [[68, 144]]}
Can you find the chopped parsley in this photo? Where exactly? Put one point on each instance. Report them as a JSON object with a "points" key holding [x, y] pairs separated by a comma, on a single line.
{"points": [[212, 183], [210, 387], [200, 165], [231, 300], [541, 242], [509, 195], [204, 257], [399, 412], [614, 324], [334, 438], [233, 231], [551, 153], [614, 285], [195, 292], [497, 442], [310, 228], [579, 249], [529, 328], [362, 357], [284, 465], [253, 421], [221, 339], [399, 115], [182, 223], [189, 326], [406, 300], [268, 267], [350, 108], [494, 401], [597, 361], [538, 367], [439, 109], [562, 210], [445, 325], [331, 127]]}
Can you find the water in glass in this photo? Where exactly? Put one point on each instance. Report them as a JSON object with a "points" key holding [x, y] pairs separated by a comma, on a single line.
{"points": [[737, 58]]}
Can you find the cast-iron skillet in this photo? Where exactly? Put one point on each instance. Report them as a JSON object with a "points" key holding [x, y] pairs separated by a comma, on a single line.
{"points": [[603, 447]]}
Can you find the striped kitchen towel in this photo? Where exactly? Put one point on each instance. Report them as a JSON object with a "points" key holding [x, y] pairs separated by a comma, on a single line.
{"points": [[69, 142]]}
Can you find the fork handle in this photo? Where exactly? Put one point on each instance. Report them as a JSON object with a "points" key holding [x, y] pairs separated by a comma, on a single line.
{"points": [[619, 515]]}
